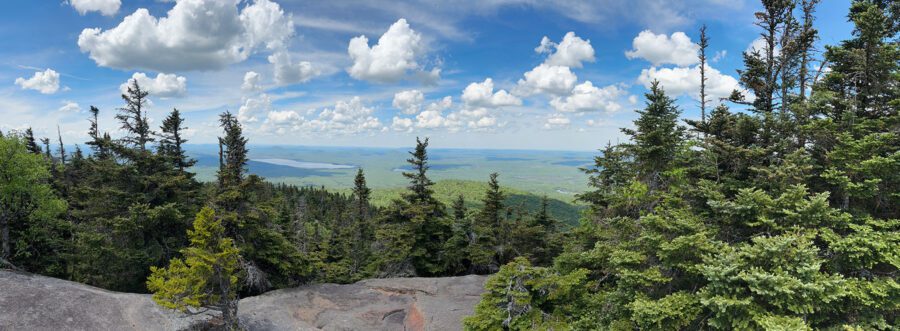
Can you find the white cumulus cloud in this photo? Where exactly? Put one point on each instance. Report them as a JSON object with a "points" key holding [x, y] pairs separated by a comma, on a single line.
{"points": [[251, 82], [557, 121], [394, 57], [544, 78], [686, 81], [46, 82], [586, 98], [194, 35], [409, 102], [163, 86], [571, 52], [483, 95], [661, 49], [433, 117], [346, 117], [402, 124], [253, 109], [287, 72], [105, 7]]}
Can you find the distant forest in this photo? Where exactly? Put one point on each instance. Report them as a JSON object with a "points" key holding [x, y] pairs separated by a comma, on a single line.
{"points": [[778, 209], [129, 216]]}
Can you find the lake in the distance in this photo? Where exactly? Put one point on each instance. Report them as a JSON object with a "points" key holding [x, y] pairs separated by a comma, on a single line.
{"points": [[305, 165]]}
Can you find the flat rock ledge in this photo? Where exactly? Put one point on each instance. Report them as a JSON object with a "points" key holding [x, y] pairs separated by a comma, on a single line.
{"points": [[32, 302]]}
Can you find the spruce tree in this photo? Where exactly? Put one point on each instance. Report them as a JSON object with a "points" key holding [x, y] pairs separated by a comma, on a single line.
{"points": [[100, 142], [207, 275], [233, 156], [704, 43], [412, 231], [62, 148], [459, 208], [490, 229], [30, 143], [656, 136], [171, 142], [419, 189], [361, 194], [362, 230], [133, 117], [47, 154]]}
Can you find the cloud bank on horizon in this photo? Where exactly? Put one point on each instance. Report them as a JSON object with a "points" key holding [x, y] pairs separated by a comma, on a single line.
{"points": [[498, 74]]}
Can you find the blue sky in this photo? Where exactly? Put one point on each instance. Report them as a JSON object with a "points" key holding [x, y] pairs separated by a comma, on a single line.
{"points": [[300, 72]]}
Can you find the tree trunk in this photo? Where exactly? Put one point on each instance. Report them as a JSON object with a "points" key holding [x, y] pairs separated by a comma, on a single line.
{"points": [[229, 304]]}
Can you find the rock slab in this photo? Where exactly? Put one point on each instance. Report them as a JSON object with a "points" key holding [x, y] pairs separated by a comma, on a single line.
{"points": [[32, 302]]}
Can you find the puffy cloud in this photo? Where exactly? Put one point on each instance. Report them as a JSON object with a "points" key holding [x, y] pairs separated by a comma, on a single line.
{"points": [[393, 58], [433, 118], [476, 119], [660, 49], [163, 86], [409, 102], [280, 122], [483, 95], [282, 117], [46, 82], [194, 35], [346, 118], [686, 81], [254, 108], [483, 123], [557, 121], [251, 82], [265, 23], [402, 124], [545, 78], [571, 52], [70, 107], [287, 72], [105, 7], [430, 118], [586, 97]]}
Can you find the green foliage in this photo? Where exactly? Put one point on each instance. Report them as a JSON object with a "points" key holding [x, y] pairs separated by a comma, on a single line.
{"points": [[32, 231], [522, 297], [207, 274], [448, 191], [782, 219]]}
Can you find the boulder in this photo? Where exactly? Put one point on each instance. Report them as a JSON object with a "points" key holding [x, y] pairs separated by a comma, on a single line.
{"points": [[32, 302]]}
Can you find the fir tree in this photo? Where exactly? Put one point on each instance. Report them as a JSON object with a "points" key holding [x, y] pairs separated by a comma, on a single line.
{"points": [[30, 143], [459, 208], [207, 275], [234, 152], [100, 143], [62, 148], [133, 117], [489, 227], [704, 43], [362, 229], [361, 194], [656, 136], [171, 142], [419, 189]]}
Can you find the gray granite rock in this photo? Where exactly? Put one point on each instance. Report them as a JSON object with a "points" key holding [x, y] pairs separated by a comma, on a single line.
{"points": [[31, 302]]}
